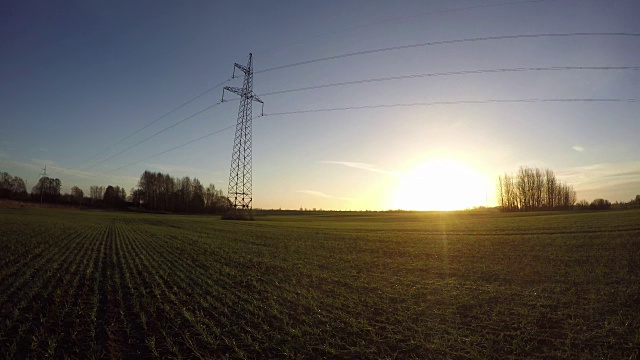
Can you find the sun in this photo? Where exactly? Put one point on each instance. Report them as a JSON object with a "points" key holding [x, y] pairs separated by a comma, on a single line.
{"points": [[442, 185]]}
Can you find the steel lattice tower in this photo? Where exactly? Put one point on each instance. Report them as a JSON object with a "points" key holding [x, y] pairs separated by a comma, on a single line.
{"points": [[240, 174]]}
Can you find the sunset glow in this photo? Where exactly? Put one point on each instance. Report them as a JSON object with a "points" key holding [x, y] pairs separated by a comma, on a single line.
{"points": [[442, 185], [396, 104]]}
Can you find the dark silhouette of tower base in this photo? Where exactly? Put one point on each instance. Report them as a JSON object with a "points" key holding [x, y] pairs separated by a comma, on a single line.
{"points": [[240, 175]]}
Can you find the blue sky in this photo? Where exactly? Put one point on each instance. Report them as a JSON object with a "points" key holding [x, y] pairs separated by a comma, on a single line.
{"points": [[78, 76]]}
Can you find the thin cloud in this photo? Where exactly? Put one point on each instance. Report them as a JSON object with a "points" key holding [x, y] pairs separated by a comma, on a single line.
{"points": [[611, 181], [363, 166], [55, 170], [627, 173], [24, 165], [604, 177], [322, 195], [36, 165], [578, 148], [45, 162]]}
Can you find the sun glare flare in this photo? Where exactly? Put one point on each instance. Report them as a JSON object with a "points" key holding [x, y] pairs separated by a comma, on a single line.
{"points": [[442, 185]]}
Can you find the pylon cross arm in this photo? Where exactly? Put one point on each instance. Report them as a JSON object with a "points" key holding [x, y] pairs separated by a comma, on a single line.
{"points": [[244, 69], [241, 92], [235, 90]]}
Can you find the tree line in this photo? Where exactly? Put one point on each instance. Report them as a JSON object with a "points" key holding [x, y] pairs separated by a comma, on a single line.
{"points": [[47, 189], [604, 204], [111, 196], [12, 187], [161, 192], [155, 192], [533, 189]]}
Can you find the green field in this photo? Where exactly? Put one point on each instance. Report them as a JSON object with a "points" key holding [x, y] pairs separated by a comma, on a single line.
{"points": [[91, 284]]}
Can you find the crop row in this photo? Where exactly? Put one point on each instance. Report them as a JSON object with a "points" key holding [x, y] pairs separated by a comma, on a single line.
{"points": [[98, 285]]}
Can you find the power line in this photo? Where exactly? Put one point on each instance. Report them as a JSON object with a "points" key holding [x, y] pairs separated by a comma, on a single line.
{"points": [[449, 73], [383, 21], [328, 33], [457, 102], [445, 42], [402, 77], [155, 134], [394, 19], [172, 149], [172, 111], [146, 139], [178, 108], [338, 84]]}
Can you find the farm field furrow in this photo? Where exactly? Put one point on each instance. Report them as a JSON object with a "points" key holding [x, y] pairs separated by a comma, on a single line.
{"points": [[248, 305], [41, 261], [89, 284], [41, 290], [180, 282], [177, 338], [66, 297]]}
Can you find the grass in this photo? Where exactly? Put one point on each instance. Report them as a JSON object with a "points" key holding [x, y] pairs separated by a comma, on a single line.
{"points": [[327, 285]]}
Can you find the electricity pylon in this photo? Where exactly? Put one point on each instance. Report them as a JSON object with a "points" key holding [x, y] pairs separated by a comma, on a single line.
{"points": [[240, 174]]}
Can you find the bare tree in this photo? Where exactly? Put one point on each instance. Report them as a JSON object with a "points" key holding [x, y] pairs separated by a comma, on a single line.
{"points": [[47, 188], [534, 189], [538, 188], [12, 186], [18, 186], [161, 192], [549, 188], [501, 194], [77, 194]]}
